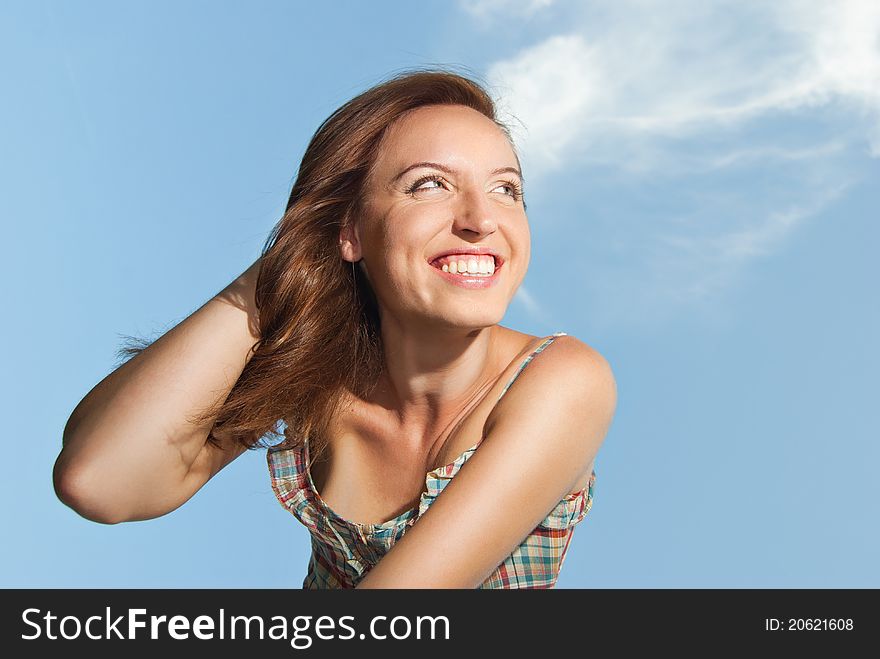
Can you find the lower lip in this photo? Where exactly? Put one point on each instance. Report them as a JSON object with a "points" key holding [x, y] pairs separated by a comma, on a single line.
{"points": [[465, 281]]}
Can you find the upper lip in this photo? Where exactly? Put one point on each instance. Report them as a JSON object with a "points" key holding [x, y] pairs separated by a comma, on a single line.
{"points": [[470, 250]]}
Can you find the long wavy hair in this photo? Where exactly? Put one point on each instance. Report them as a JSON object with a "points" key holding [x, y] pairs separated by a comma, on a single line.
{"points": [[320, 339]]}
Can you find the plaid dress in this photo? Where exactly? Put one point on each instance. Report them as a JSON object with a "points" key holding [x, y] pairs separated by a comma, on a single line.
{"points": [[344, 551]]}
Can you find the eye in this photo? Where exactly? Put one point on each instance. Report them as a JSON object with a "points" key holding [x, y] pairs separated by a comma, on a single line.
{"points": [[515, 189], [417, 186]]}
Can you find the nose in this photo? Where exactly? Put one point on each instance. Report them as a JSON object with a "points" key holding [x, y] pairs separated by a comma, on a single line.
{"points": [[474, 213]]}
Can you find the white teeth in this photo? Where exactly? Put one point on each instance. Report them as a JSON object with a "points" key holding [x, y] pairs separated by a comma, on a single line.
{"points": [[472, 266]]}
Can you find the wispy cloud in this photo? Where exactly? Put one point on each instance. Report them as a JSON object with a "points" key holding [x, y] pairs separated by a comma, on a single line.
{"points": [[501, 9], [708, 262], [530, 303], [765, 153], [742, 119], [682, 69]]}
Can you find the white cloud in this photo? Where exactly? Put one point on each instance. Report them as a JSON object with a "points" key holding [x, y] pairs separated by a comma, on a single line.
{"points": [[763, 153], [535, 311], [501, 9], [552, 88], [713, 259], [645, 70], [743, 119]]}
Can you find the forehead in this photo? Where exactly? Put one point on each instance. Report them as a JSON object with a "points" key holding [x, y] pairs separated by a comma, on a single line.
{"points": [[445, 133]]}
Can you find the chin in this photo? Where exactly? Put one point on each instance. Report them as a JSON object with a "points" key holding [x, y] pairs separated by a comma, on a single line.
{"points": [[478, 319]]}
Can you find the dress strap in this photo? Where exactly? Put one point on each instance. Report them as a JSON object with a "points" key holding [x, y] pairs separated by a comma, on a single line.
{"points": [[546, 342]]}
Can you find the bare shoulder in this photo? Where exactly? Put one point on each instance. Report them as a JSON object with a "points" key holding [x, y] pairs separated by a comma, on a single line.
{"points": [[582, 366], [568, 369], [564, 402]]}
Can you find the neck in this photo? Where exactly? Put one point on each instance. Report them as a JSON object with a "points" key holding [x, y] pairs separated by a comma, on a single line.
{"points": [[430, 375]]}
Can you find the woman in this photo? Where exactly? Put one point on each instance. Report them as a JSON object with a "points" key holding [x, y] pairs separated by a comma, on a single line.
{"points": [[370, 328]]}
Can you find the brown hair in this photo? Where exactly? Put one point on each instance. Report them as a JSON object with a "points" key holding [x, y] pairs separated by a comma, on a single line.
{"points": [[318, 317]]}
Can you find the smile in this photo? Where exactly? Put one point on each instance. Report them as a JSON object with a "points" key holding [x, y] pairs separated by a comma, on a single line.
{"points": [[476, 273]]}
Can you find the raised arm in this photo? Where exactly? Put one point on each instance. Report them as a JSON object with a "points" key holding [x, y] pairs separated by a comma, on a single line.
{"points": [[540, 441], [128, 450]]}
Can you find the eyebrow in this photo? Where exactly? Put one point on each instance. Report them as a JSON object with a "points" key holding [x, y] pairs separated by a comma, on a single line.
{"points": [[448, 170]]}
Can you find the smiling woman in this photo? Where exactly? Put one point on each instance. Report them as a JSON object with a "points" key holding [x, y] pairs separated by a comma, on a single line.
{"points": [[369, 328]]}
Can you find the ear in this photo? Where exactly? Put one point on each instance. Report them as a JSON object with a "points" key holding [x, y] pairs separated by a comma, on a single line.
{"points": [[349, 243]]}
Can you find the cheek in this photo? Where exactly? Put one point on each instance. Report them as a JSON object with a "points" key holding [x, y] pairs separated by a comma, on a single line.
{"points": [[524, 244], [397, 274], [526, 232]]}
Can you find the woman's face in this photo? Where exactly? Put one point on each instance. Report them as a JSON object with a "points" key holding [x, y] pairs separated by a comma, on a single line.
{"points": [[471, 198]]}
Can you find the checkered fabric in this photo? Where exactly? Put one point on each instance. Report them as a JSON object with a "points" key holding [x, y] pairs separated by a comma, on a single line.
{"points": [[344, 551]]}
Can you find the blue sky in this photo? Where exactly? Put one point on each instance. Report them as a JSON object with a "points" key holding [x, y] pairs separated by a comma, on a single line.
{"points": [[702, 181]]}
